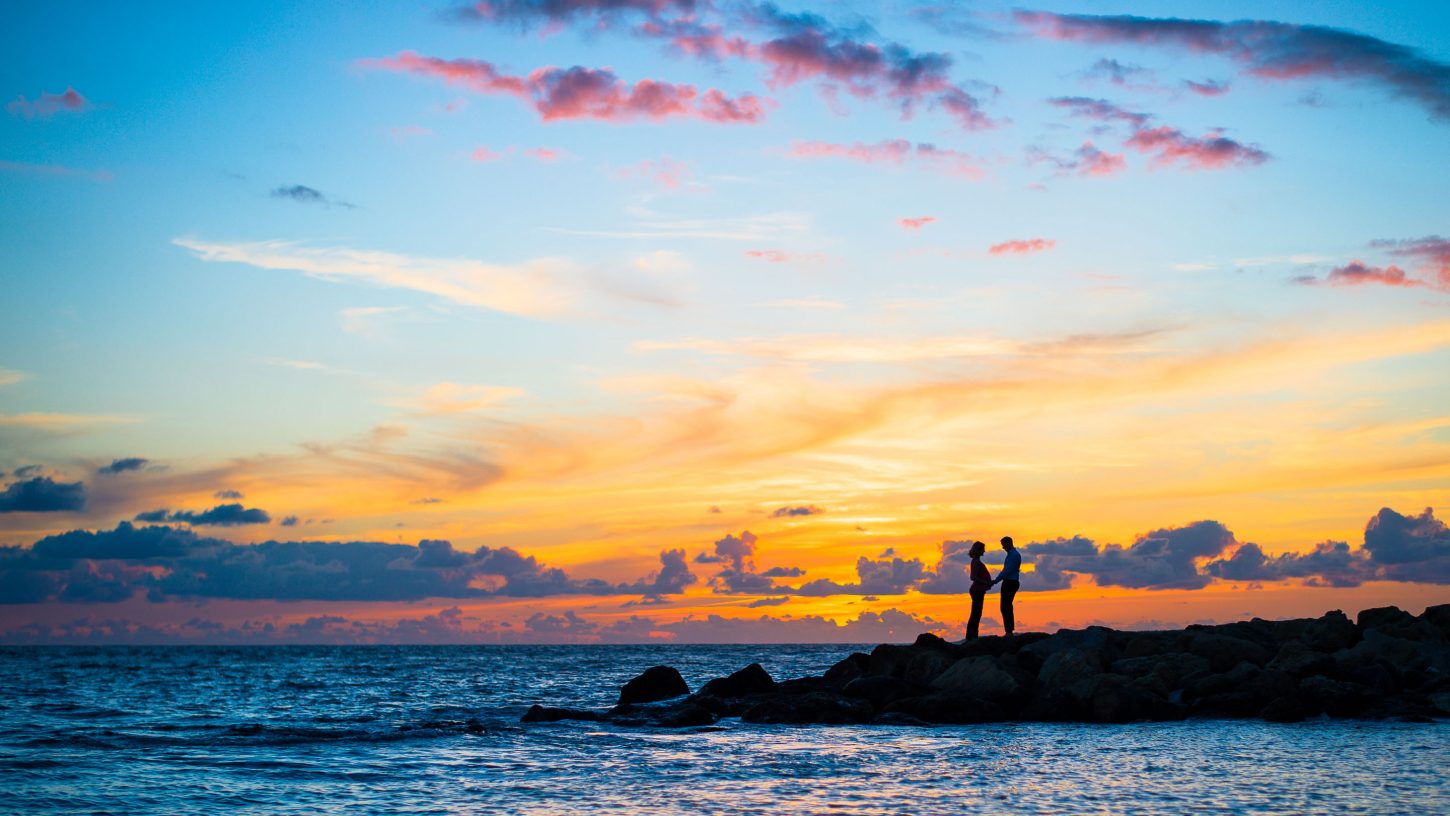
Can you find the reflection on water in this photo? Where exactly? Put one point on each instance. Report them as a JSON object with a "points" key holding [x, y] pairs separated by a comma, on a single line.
{"points": [[434, 730]]}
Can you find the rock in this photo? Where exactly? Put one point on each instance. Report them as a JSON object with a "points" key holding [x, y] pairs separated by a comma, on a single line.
{"points": [[978, 677], [898, 718], [687, 715], [927, 640], [655, 683], [1439, 617], [752, 679], [1146, 644], [538, 713], [946, 709], [1067, 668], [1223, 651], [890, 660], [1331, 632], [1382, 616], [855, 665], [815, 707], [1285, 710], [927, 665], [1408, 660], [1094, 639], [1441, 702], [879, 691], [1112, 698], [1297, 660], [1333, 697]]}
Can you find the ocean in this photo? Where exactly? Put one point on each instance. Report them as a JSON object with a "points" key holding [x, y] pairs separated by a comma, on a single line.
{"points": [[435, 730]]}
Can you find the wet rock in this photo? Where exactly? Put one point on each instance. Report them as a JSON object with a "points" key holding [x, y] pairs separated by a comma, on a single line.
{"points": [[1333, 697], [879, 691], [654, 683], [1094, 639], [1297, 659], [752, 679], [855, 665], [815, 707], [538, 713], [946, 709], [927, 665], [980, 678], [890, 660]]}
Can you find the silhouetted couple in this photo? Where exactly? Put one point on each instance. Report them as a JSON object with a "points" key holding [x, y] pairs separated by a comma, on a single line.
{"points": [[1009, 577]]}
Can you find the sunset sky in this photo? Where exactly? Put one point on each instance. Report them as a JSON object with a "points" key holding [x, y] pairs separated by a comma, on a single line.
{"points": [[611, 320]]}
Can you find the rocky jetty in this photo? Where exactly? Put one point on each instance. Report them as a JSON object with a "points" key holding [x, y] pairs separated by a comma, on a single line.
{"points": [[1386, 664]]}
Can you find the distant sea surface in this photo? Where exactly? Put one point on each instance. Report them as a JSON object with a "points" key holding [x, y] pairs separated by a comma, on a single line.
{"points": [[419, 729]]}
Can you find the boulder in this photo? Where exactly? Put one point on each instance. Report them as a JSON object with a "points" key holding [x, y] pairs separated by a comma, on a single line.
{"points": [[928, 664], [980, 678], [1330, 633], [1067, 668], [538, 713], [890, 659], [1224, 651], [752, 679], [654, 683], [855, 665], [1297, 659], [1439, 617], [1094, 639], [1333, 697], [1382, 616], [1146, 644], [815, 707], [946, 709], [879, 691], [1285, 709]]}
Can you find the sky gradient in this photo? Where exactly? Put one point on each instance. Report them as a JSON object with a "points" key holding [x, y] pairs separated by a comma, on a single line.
{"points": [[602, 320]]}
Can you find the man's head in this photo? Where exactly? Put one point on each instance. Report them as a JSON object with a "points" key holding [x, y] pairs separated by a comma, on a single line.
{"points": [[1006, 542]]}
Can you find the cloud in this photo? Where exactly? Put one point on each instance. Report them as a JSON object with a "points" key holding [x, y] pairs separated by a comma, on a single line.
{"points": [[1211, 151], [1357, 273], [122, 465], [227, 494], [762, 602], [884, 576], [48, 104], [41, 495], [1409, 548], [25, 168], [8, 377], [223, 515], [665, 171], [1330, 563], [893, 151], [1166, 145], [783, 256], [483, 154], [1208, 87], [912, 224], [1021, 247], [541, 288], [544, 154], [1267, 50], [172, 562], [450, 398], [1431, 255], [59, 423], [798, 510], [583, 93], [784, 572], [603, 12]]}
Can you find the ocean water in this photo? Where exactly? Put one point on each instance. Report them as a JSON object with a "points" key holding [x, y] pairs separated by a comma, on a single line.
{"points": [[280, 730]]}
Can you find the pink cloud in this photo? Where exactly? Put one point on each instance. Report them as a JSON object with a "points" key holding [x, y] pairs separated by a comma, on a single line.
{"points": [[48, 104], [1357, 273], [784, 256], [544, 154], [583, 93], [1093, 162], [1208, 87], [405, 132], [1432, 254], [483, 154], [892, 151], [1267, 49], [916, 223], [1211, 151], [664, 171], [1021, 247]]}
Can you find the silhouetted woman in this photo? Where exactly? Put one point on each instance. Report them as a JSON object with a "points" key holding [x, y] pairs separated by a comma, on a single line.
{"points": [[981, 582]]}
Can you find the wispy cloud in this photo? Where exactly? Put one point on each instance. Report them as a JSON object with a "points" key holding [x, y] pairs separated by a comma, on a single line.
{"points": [[61, 423], [893, 151], [541, 288], [582, 93], [451, 398], [48, 104], [1267, 50], [913, 224], [1022, 246], [25, 168]]}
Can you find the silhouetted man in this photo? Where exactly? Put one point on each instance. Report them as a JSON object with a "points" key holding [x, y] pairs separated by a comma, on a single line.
{"points": [[1009, 578]]}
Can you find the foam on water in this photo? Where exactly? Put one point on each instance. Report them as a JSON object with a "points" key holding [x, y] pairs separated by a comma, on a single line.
{"points": [[435, 730]]}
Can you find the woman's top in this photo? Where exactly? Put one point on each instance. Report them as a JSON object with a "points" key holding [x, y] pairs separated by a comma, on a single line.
{"points": [[981, 578]]}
